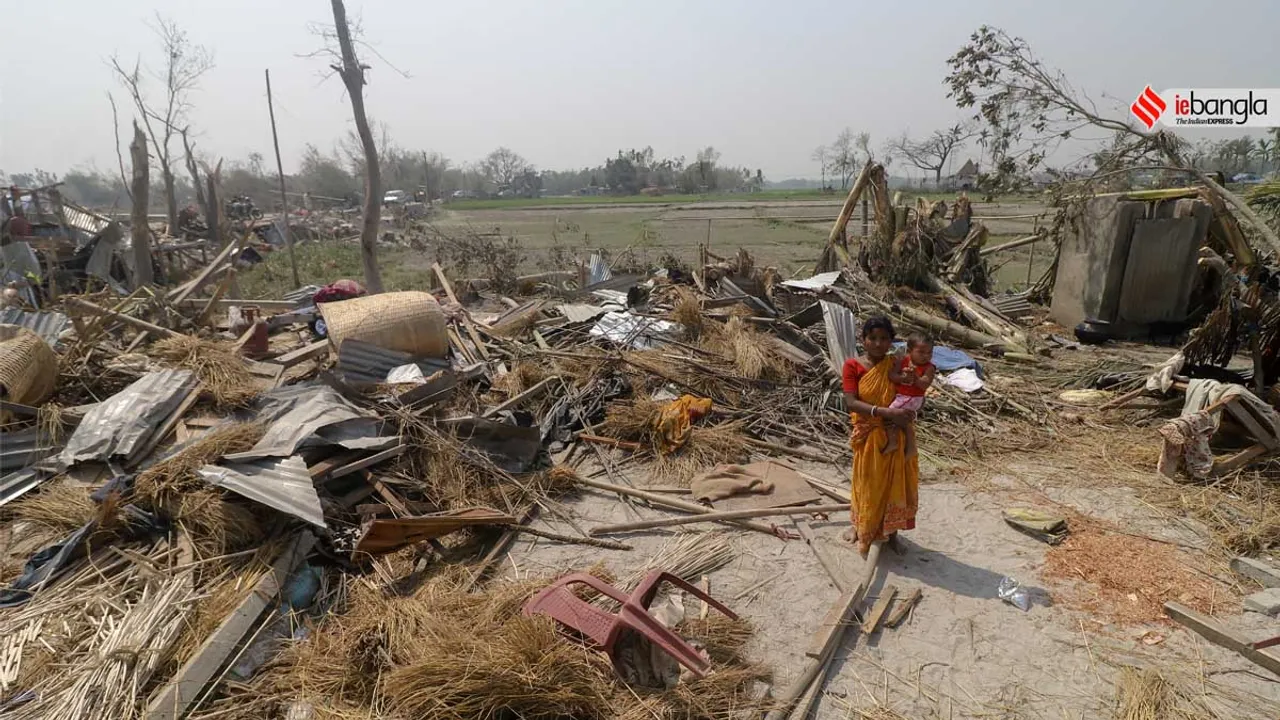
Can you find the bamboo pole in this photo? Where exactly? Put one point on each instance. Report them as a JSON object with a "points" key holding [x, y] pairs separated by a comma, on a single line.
{"points": [[284, 202], [717, 517], [670, 502], [842, 220], [126, 319], [1009, 245]]}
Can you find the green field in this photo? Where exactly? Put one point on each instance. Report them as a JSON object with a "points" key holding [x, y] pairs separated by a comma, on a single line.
{"points": [[788, 235], [765, 196]]}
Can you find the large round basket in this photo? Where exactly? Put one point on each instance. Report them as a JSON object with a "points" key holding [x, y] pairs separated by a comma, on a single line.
{"points": [[28, 366], [409, 321]]}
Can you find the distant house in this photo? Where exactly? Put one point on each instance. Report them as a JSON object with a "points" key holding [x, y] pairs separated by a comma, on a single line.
{"points": [[966, 178]]}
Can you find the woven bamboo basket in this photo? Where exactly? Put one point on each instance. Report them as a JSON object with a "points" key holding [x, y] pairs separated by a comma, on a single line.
{"points": [[409, 321], [28, 366]]}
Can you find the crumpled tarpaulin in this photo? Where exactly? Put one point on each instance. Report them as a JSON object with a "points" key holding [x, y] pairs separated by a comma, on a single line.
{"points": [[675, 422]]}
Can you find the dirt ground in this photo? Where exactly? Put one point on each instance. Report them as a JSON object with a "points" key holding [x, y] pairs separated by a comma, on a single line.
{"points": [[964, 653]]}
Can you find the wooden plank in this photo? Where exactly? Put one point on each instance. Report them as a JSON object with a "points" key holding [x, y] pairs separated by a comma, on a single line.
{"points": [[466, 319], [902, 608], [1267, 575], [1239, 460], [878, 610], [717, 517], [182, 293], [305, 352], [360, 464], [1219, 634], [175, 699], [226, 303], [532, 392], [1244, 417]]}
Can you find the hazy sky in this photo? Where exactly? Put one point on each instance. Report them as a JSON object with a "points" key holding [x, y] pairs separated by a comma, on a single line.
{"points": [[568, 82]]}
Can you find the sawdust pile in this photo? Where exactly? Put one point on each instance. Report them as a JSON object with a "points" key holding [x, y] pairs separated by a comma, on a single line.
{"points": [[1126, 580]]}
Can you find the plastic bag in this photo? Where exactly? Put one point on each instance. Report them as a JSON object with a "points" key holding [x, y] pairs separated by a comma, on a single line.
{"points": [[1013, 593]]}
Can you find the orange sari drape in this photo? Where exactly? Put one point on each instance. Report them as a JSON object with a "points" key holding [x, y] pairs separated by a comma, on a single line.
{"points": [[885, 487]]}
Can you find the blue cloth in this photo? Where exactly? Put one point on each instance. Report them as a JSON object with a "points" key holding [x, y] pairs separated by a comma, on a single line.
{"points": [[947, 359]]}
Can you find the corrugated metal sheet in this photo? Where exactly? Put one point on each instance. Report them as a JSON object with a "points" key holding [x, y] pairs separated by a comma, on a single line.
{"points": [[598, 270], [122, 425], [306, 415], [281, 484], [84, 220], [303, 293], [365, 363], [22, 448], [842, 334], [15, 485], [581, 312], [817, 282], [48, 325]]}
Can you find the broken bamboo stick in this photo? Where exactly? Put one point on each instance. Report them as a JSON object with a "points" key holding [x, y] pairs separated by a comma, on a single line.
{"points": [[825, 643], [717, 517], [665, 501], [126, 319]]}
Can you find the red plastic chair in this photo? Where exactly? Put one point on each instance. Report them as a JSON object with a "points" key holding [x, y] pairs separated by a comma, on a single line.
{"points": [[603, 628]]}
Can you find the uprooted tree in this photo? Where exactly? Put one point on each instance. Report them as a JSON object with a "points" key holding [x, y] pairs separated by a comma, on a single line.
{"points": [[351, 70], [1025, 110], [164, 116]]}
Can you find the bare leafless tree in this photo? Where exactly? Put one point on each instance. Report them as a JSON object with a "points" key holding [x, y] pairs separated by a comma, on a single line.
{"points": [[348, 67], [844, 156], [502, 166], [821, 156], [184, 64], [193, 170], [115, 126], [932, 153]]}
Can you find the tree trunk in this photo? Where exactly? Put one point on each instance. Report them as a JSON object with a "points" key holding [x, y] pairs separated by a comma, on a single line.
{"points": [[194, 171], [353, 77], [140, 233], [937, 177], [170, 197]]}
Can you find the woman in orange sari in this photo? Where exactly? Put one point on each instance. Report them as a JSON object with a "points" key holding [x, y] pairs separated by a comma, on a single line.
{"points": [[885, 485]]}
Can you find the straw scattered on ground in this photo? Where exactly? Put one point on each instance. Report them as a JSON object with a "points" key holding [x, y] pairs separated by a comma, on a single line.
{"points": [[162, 482], [219, 367], [706, 448], [59, 505]]}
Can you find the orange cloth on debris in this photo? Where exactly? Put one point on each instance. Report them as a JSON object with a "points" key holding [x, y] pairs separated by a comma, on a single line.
{"points": [[885, 487], [675, 422]]}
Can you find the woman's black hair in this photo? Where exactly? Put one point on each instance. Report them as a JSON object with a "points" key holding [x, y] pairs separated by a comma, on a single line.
{"points": [[877, 322]]}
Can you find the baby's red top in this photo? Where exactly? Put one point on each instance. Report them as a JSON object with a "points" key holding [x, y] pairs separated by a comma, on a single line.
{"points": [[912, 390]]}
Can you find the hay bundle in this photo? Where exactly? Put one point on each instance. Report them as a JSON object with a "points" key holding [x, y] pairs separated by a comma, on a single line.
{"points": [[632, 420], [688, 312], [752, 353], [706, 448], [524, 375], [165, 480], [216, 525], [59, 506], [222, 372]]}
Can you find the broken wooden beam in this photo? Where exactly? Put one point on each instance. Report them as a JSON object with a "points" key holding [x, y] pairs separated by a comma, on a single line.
{"points": [[134, 322], [306, 352], [1219, 634], [529, 394], [174, 700], [1264, 574], [822, 650], [878, 610], [903, 608]]}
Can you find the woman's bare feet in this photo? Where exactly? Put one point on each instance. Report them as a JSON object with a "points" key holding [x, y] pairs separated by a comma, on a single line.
{"points": [[896, 544], [850, 536]]}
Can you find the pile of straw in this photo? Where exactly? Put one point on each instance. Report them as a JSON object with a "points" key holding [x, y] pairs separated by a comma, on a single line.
{"points": [[222, 372], [706, 448], [59, 506], [752, 354], [446, 652], [688, 312], [632, 420], [216, 524]]}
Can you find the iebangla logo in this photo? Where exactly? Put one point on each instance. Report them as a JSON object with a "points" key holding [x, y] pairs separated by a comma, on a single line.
{"points": [[1148, 107], [1206, 108]]}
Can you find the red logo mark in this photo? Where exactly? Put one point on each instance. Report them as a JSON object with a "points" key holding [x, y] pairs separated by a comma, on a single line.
{"points": [[1148, 107]]}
